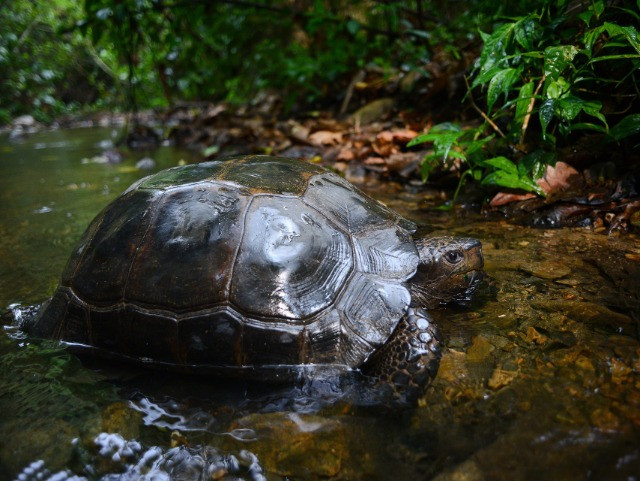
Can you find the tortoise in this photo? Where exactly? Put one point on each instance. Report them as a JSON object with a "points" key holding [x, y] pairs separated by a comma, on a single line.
{"points": [[257, 266]]}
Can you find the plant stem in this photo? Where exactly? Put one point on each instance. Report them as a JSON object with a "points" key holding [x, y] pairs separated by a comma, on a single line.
{"points": [[479, 110], [525, 122]]}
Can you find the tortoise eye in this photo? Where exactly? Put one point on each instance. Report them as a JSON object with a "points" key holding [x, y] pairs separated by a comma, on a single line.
{"points": [[453, 256]]}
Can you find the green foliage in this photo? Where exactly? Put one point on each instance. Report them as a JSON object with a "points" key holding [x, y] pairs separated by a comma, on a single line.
{"points": [[451, 143], [557, 66], [233, 50], [561, 65], [43, 65]]}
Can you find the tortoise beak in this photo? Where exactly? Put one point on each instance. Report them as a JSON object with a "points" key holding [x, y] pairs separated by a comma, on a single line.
{"points": [[473, 254], [474, 262]]}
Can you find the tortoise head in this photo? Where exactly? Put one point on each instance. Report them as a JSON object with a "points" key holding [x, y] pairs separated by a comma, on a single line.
{"points": [[450, 269]]}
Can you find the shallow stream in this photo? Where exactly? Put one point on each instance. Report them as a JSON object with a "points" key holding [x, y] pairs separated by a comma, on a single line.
{"points": [[540, 377]]}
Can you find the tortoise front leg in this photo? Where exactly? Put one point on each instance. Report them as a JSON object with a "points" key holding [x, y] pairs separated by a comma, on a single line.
{"points": [[409, 360]]}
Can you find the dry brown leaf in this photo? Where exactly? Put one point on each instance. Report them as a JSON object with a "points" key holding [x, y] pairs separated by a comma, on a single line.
{"points": [[503, 198], [325, 137], [298, 131], [558, 178], [384, 149], [398, 136], [345, 155]]}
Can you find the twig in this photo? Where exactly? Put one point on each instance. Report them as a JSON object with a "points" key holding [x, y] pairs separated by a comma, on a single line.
{"points": [[532, 101], [479, 110], [358, 77]]}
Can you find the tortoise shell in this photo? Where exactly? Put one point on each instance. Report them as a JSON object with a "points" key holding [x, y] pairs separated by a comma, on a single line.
{"points": [[243, 263]]}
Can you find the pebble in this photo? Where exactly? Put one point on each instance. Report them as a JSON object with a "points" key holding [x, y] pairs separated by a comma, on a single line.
{"points": [[146, 163]]}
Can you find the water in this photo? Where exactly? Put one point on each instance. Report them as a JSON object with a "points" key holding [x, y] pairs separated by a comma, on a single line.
{"points": [[540, 377]]}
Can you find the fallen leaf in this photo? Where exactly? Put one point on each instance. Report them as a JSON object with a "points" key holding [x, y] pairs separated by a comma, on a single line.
{"points": [[559, 177], [503, 198], [398, 136], [325, 137], [345, 155]]}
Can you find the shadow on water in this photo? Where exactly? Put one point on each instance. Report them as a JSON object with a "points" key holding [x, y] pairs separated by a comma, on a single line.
{"points": [[540, 376]]}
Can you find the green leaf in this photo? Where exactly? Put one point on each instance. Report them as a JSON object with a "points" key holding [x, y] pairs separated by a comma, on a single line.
{"points": [[522, 105], [568, 108], [436, 132], [500, 84], [588, 126], [586, 16], [495, 47], [556, 89], [547, 111], [501, 163], [458, 155], [590, 37], [211, 150], [476, 145], [629, 32], [535, 163], [557, 59], [593, 108], [426, 168], [628, 126], [353, 26], [598, 7], [511, 181], [486, 76], [525, 31]]}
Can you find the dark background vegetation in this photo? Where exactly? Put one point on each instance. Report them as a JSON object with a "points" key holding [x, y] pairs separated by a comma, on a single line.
{"points": [[537, 75]]}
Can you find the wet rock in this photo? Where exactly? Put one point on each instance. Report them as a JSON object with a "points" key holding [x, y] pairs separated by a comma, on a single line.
{"points": [[146, 163], [605, 420], [587, 312], [113, 156], [501, 378], [24, 121], [620, 372], [142, 137], [120, 418], [548, 269], [465, 471], [480, 349], [292, 444], [373, 111], [50, 440], [535, 336], [453, 366]]}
